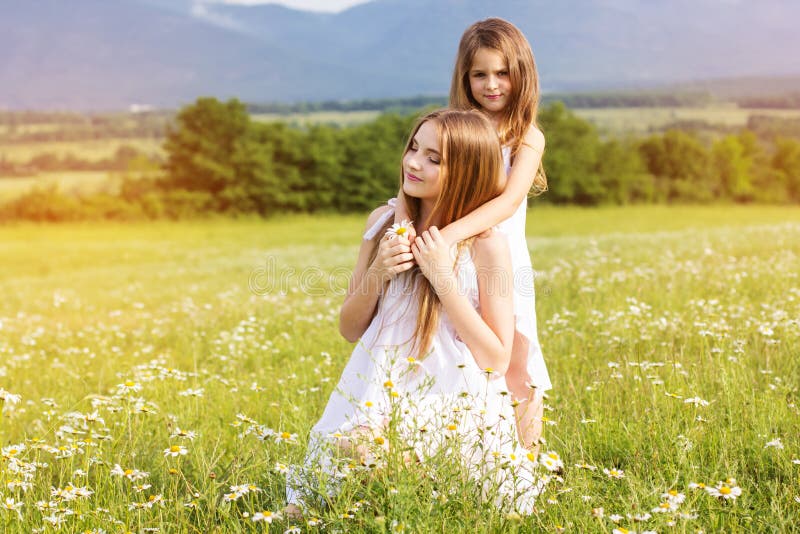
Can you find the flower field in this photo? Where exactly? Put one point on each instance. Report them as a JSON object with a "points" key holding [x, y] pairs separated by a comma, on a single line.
{"points": [[162, 377]]}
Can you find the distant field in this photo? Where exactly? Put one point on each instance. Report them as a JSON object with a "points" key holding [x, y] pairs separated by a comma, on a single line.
{"points": [[319, 117], [71, 182], [620, 121], [87, 150]]}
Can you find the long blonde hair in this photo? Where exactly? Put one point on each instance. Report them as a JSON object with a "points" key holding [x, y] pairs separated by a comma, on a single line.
{"points": [[470, 175], [520, 112]]}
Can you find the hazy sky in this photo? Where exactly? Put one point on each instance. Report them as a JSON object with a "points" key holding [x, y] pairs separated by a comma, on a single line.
{"points": [[311, 5]]}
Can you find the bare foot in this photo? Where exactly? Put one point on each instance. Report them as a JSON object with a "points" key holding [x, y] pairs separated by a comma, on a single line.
{"points": [[293, 513]]}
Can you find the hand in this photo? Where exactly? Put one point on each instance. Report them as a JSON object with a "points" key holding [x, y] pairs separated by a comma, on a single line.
{"points": [[435, 259], [449, 238], [394, 257]]}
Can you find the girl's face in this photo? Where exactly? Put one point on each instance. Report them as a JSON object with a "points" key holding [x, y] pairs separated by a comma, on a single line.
{"points": [[421, 164], [489, 81]]}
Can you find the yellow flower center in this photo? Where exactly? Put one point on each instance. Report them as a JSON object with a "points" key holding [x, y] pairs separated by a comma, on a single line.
{"points": [[401, 231], [130, 383], [379, 440], [368, 404], [388, 384], [285, 435], [725, 490], [451, 427], [673, 492], [128, 472], [531, 456], [175, 448], [553, 455]]}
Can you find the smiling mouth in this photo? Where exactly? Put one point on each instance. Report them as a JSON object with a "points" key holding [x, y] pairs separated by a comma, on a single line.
{"points": [[493, 97], [412, 178]]}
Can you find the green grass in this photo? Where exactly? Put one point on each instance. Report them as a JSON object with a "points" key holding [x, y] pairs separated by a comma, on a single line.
{"points": [[639, 310]]}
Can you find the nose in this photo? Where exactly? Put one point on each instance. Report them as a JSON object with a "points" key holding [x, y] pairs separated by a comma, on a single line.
{"points": [[491, 82], [411, 162]]}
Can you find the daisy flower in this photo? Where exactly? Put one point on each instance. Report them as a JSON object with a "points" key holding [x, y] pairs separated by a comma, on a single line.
{"points": [[727, 490], [176, 450], [266, 516], [584, 465], [665, 507], [614, 473], [181, 433], [399, 229], [774, 443], [674, 496], [285, 437], [551, 460], [8, 397], [697, 401]]}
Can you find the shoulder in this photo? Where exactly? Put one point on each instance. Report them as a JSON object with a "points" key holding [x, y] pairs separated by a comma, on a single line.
{"points": [[491, 249], [534, 138], [376, 214]]}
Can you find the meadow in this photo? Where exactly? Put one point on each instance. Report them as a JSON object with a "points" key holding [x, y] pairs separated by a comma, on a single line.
{"points": [[161, 377]]}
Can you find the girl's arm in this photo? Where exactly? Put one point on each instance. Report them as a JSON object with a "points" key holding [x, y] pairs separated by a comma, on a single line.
{"points": [[367, 281], [518, 184], [490, 333]]}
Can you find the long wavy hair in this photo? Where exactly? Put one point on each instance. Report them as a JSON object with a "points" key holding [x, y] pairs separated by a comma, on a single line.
{"points": [[522, 108], [470, 173]]}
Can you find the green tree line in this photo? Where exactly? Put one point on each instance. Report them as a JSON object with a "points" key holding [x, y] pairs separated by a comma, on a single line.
{"points": [[221, 161]]}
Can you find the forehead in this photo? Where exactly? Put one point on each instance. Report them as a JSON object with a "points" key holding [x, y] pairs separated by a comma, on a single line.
{"points": [[427, 135], [488, 58]]}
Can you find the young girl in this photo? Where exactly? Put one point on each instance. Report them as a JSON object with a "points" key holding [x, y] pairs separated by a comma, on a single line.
{"points": [[435, 330], [495, 73]]}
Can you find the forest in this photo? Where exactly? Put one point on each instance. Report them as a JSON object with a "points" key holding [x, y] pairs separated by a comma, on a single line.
{"points": [[218, 160]]}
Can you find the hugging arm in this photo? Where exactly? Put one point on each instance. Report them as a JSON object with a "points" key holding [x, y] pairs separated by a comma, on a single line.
{"points": [[515, 190], [489, 334]]}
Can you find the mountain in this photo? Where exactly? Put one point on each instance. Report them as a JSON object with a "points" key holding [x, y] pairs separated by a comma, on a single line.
{"points": [[100, 54]]}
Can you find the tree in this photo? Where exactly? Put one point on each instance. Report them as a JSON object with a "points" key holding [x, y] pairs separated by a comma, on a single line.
{"points": [[680, 165]]}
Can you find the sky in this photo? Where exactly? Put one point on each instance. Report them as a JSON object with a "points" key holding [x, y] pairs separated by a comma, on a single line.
{"points": [[309, 5]]}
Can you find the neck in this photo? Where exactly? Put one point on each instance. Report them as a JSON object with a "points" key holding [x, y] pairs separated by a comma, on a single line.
{"points": [[425, 210], [495, 119]]}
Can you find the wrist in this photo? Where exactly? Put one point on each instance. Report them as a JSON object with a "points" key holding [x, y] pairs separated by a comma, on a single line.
{"points": [[444, 284]]}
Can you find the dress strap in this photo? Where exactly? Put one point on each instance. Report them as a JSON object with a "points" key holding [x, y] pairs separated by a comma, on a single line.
{"points": [[382, 220]]}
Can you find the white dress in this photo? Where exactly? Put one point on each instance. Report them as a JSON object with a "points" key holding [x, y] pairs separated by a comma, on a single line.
{"points": [[431, 399], [524, 296]]}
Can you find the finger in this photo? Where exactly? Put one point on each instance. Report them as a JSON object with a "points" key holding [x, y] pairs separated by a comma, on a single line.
{"points": [[426, 236], [399, 249], [436, 235], [403, 267], [402, 258]]}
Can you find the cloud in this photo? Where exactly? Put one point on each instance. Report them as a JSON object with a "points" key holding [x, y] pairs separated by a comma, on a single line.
{"points": [[203, 10]]}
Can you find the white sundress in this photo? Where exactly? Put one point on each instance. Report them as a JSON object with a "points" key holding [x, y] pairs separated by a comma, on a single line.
{"points": [[524, 296], [443, 394]]}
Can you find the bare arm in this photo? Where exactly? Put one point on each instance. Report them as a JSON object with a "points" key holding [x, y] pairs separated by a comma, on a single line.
{"points": [[490, 333], [368, 279], [518, 184]]}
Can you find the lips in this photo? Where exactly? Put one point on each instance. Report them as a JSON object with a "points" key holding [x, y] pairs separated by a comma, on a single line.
{"points": [[493, 97], [411, 178]]}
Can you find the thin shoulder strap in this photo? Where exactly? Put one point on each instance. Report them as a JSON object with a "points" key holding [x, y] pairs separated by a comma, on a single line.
{"points": [[382, 220]]}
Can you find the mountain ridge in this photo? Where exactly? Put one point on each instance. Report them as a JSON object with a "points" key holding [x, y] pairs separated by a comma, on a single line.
{"points": [[92, 55]]}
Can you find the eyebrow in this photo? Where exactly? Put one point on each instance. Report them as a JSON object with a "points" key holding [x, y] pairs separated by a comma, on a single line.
{"points": [[432, 150]]}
